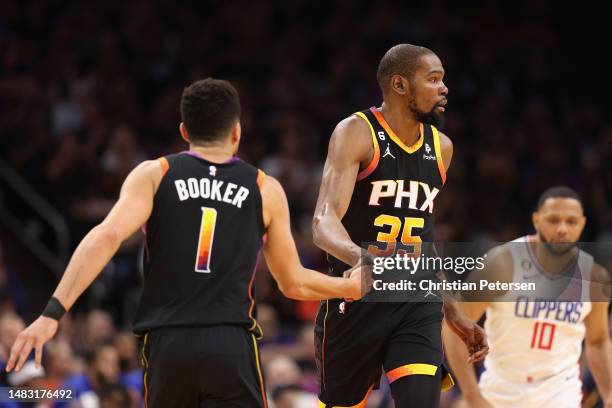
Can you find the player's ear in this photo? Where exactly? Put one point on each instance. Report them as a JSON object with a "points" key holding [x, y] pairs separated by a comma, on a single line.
{"points": [[535, 220], [184, 133], [399, 84], [582, 222], [236, 132]]}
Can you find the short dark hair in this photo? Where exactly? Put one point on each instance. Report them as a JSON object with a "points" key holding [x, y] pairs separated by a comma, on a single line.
{"points": [[402, 59], [558, 192], [209, 108]]}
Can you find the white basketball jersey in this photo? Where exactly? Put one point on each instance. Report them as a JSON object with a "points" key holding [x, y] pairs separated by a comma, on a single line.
{"points": [[530, 338]]}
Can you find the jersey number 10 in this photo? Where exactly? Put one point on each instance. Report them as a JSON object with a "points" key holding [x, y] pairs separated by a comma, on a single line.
{"points": [[543, 335], [205, 240]]}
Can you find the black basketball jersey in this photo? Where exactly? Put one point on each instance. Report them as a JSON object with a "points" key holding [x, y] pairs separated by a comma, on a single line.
{"points": [[202, 242], [391, 210]]}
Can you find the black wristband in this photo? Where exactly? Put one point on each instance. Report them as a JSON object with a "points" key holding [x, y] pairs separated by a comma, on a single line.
{"points": [[54, 309]]}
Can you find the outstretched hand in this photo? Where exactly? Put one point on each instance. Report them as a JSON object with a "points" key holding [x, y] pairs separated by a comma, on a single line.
{"points": [[361, 275], [34, 336], [470, 333]]}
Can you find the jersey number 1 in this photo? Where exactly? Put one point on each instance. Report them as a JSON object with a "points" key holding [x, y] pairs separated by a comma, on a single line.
{"points": [[205, 239]]}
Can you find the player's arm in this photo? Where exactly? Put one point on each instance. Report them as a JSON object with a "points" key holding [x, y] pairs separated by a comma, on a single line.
{"points": [[95, 250], [597, 341], [446, 147], [129, 214], [349, 146], [456, 322], [460, 360], [293, 279], [497, 267]]}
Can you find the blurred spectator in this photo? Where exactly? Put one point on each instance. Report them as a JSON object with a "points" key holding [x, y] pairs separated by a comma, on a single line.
{"points": [[283, 382], [10, 326], [59, 363], [281, 371], [291, 396], [131, 371], [12, 295], [115, 396], [102, 371], [28, 376], [97, 330], [125, 343]]}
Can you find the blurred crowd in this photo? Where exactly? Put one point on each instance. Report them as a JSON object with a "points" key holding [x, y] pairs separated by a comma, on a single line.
{"points": [[90, 89]]}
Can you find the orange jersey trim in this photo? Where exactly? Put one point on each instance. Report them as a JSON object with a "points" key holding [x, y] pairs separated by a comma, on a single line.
{"points": [[145, 368], [376, 158], [438, 150], [411, 369], [164, 165], [250, 290], [261, 383], [408, 149], [447, 382], [323, 345], [260, 178]]}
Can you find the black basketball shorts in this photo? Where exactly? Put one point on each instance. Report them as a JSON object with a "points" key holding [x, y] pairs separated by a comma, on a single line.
{"points": [[356, 341], [210, 366]]}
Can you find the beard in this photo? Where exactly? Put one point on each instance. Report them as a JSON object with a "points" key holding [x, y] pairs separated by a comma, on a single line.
{"points": [[557, 248], [432, 117]]}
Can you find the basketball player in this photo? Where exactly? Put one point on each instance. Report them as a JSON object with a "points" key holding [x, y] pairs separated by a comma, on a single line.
{"points": [[536, 344], [207, 214], [384, 168]]}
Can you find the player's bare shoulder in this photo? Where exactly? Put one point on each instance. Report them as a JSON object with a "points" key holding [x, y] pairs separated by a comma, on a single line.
{"points": [[351, 139], [273, 199], [151, 167], [154, 168], [501, 262], [498, 267], [147, 173], [498, 264], [601, 284], [271, 189]]}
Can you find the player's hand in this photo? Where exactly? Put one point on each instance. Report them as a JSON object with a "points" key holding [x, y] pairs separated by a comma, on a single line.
{"points": [[361, 279], [477, 401], [469, 332], [34, 336]]}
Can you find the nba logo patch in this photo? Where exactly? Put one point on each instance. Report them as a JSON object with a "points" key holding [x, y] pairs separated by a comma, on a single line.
{"points": [[213, 171], [342, 307]]}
